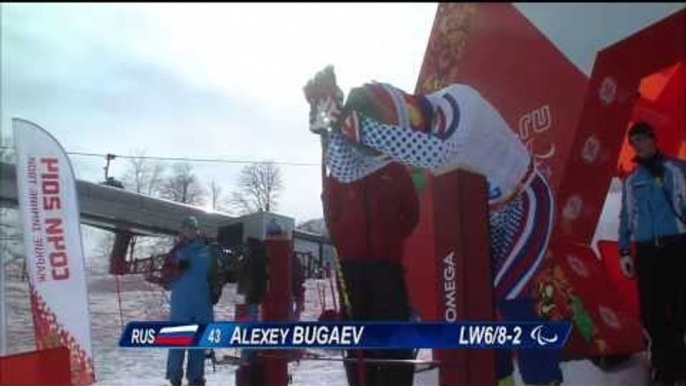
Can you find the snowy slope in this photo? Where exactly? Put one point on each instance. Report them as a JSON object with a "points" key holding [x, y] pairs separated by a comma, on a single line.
{"points": [[142, 301]]}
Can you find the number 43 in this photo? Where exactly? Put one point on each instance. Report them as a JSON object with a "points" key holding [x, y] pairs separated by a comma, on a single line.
{"points": [[215, 336]]}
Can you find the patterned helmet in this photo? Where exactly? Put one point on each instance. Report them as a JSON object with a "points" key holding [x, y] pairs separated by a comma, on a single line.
{"points": [[388, 104]]}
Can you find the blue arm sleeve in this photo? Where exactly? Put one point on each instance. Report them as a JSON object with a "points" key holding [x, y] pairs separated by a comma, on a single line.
{"points": [[682, 168], [346, 163], [407, 145], [624, 226], [180, 255]]}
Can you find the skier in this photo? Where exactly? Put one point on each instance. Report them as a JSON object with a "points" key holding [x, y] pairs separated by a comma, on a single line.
{"points": [[452, 128], [190, 301], [368, 220]]}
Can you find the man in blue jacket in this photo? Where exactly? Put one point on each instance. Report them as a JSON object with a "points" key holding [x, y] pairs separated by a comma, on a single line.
{"points": [[190, 301], [653, 215]]}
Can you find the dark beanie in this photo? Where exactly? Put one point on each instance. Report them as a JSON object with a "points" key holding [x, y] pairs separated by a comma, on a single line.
{"points": [[642, 128]]}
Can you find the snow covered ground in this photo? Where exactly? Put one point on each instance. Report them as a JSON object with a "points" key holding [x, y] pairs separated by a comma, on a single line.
{"points": [[143, 301]]}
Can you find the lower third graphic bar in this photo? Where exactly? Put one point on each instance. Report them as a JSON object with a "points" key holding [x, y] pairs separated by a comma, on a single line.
{"points": [[368, 335]]}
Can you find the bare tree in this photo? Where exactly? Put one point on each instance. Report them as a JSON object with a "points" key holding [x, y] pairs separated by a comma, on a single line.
{"points": [[100, 255], [215, 195], [11, 236], [143, 175], [259, 186], [183, 186]]}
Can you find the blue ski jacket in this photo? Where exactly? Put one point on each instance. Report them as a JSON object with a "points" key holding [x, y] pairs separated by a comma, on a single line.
{"points": [[653, 208], [190, 292]]}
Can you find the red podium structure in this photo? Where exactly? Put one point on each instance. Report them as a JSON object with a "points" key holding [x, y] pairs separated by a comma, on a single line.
{"points": [[449, 255], [276, 306], [44, 367]]}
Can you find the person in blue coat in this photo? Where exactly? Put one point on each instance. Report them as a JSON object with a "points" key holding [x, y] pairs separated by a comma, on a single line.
{"points": [[653, 215], [190, 301]]}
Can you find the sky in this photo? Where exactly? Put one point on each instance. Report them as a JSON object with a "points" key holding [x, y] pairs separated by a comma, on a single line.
{"points": [[207, 80]]}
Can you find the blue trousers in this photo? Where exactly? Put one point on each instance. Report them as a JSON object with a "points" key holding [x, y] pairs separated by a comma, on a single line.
{"points": [[195, 367], [537, 366]]}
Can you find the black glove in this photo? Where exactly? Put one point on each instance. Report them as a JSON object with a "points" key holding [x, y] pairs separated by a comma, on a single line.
{"points": [[626, 263], [325, 99]]}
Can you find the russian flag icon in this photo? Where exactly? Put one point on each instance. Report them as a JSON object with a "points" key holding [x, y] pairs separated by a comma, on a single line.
{"points": [[177, 335]]}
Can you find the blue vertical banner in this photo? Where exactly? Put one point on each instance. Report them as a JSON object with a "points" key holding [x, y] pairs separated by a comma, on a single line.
{"points": [[372, 335]]}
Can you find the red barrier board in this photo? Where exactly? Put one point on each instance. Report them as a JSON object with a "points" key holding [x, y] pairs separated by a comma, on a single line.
{"points": [[44, 367]]}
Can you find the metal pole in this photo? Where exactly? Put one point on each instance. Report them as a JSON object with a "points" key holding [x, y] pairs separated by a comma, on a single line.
{"points": [[109, 158]]}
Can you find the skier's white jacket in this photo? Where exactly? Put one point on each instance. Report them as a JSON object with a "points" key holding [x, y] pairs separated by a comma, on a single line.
{"points": [[466, 132]]}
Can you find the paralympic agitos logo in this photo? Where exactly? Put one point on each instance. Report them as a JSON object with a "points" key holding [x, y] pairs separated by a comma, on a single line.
{"points": [[537, 335]]}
